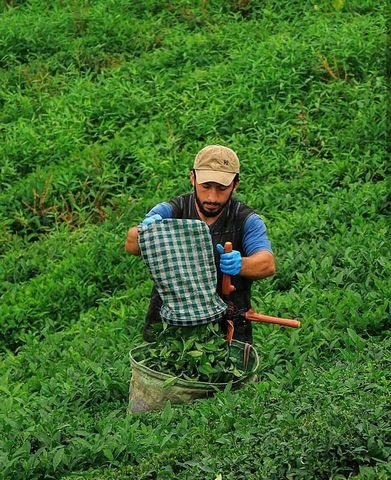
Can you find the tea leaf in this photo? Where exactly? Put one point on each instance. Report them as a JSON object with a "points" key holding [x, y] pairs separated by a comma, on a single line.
{"points": [[167, 413], [57, 458], [195, 353], [170, 381], [108, 454]]}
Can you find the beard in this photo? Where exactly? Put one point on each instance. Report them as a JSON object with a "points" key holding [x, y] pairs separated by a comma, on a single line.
{"points": [[208, 213]]}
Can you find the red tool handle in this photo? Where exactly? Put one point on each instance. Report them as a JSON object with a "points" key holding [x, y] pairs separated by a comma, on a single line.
{"points": [[227, 287], [258, 317]]}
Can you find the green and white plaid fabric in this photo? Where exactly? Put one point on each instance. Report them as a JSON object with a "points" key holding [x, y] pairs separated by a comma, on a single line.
{"points": [[179, 255]]}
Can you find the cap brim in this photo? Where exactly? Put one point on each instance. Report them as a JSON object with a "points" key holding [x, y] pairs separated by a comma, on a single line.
{"points": [[205, 176]]}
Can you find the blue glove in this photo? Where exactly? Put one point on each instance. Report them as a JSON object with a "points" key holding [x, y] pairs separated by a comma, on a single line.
{"points": [[230, 263], [148, 220]]}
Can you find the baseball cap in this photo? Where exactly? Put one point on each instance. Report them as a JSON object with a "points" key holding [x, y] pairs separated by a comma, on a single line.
{"points": [[215, 163]]}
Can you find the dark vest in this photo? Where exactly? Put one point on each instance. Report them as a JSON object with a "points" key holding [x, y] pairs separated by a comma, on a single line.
{"points": [[227, 228]]}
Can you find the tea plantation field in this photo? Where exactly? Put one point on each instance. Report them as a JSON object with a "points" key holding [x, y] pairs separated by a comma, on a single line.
{"points": [[103, 106]]}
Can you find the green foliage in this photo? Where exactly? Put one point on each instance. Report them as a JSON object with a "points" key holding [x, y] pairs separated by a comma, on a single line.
{"points": [[54, 299], [103, 106]]}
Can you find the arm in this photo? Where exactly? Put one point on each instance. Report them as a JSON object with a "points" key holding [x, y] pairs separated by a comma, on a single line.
{"points": [[131, 244], [259, 265], [258, 260], [255, 266]]}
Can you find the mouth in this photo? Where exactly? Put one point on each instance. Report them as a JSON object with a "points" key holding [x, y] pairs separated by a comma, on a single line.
{"points": [[212, 206]]}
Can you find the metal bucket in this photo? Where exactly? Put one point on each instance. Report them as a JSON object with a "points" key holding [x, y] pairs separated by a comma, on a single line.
{"points": [[147, 391]]}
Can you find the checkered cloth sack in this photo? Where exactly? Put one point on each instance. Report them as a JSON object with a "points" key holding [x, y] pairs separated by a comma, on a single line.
{"points": [[179, 255]]}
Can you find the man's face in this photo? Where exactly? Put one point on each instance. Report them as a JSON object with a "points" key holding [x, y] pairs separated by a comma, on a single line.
{"points": [[211, 197]]}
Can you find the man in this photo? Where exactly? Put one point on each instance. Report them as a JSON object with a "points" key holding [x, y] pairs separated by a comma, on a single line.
{"points": [[215, 177]]}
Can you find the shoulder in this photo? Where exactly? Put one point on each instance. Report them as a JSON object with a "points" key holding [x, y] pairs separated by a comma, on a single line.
{"points": [[163, 209], [240, 210], [181, 204], [255, 237], [254, 222]]}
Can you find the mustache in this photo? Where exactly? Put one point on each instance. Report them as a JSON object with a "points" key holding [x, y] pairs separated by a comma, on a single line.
{"points": [[212, 204]]}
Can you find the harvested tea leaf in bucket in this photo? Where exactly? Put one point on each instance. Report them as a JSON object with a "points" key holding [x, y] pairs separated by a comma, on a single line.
{"points": [[197, 353], [187, 363]]}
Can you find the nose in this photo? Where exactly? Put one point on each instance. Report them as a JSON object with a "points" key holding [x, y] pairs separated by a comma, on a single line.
{"points": [[212, 196]]}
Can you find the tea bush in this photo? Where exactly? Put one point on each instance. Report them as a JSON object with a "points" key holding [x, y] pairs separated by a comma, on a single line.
{"points": [[103, 106]]}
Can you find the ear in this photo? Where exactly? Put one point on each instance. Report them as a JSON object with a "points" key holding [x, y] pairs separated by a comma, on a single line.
{"points": [[192, 178], [236, 185]]}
